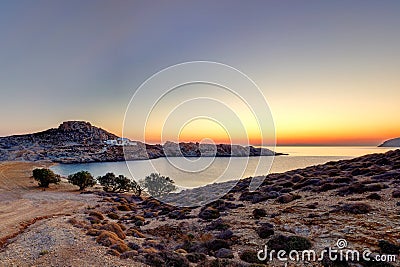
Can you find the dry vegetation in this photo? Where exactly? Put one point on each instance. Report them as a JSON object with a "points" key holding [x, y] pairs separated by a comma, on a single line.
{"points": [[358, 200]]}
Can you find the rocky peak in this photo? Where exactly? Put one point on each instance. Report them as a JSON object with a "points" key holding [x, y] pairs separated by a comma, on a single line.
{"points": [[75, 125], [82, 132]]}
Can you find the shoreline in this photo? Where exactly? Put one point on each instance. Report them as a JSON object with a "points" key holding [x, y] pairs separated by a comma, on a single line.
{"points": [[321, 204]]}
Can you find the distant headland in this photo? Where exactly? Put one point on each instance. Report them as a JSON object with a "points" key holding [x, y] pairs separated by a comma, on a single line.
{"points": [[395, 142], [80, 141]]}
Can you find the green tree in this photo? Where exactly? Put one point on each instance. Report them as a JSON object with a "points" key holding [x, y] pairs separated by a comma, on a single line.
{"points": [[120, 183], [45, 177], [108, 181], [158, 185], [82, 179]]}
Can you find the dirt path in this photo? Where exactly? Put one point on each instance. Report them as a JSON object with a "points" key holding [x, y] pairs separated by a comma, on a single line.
{"points": [[21, 201], [34, 227]]}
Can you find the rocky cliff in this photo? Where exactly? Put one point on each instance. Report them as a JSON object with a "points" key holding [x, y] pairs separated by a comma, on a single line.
{"points": [[79, 141], [395, 142]]}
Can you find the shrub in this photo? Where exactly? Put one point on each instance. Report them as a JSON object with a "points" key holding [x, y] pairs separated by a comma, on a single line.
{"points": [[107, 181], [43, 252], [120, 183], [396, 194], [115, 228], [265, 231], [158, 185], [281, 242], [388, 248], [113, 216], [209, 213], [107, 239], [96, 214], [250, 256], [123, 208], [45, 177], [120, 247], [356, 208], [82, 179], [196, 257]]}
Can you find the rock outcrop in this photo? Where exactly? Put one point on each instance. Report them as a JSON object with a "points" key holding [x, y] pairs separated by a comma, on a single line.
{"points": [[395, 142], [72, 141], [79, 141]]}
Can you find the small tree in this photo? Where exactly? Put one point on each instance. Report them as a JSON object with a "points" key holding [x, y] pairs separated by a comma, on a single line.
{"points": [[112, 183], [82, 179], [108, 181], [158, 185], [45, 177]]}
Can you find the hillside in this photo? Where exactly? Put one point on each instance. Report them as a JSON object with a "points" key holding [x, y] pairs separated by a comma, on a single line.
{"points": [[395, 142], [79, 141], [354, 201]]}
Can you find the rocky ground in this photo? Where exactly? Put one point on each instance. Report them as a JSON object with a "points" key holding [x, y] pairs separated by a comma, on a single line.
{"points": [[356, 200]]}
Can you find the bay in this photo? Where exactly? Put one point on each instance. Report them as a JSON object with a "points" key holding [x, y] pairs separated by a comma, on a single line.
{"points": [[196, 172]]}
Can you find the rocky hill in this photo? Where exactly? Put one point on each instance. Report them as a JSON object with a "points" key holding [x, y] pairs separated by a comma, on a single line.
{"points": [[79, 141], [70, 141], [395, 142]]}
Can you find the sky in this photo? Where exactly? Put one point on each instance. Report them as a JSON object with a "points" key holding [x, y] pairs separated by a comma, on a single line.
{"points": [[329, 70]]}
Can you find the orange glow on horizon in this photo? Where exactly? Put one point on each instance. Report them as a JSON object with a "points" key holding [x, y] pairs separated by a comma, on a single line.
{"points": [[286, 134]]}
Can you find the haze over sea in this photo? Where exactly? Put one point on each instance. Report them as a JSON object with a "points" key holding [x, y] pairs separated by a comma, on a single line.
{"points": [[195, 172]]}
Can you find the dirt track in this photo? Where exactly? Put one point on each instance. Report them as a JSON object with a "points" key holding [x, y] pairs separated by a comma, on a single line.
{"points": [[21, 201]]}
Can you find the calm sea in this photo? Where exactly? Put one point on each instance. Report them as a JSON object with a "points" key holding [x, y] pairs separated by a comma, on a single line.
{"points": [[194, 172]]}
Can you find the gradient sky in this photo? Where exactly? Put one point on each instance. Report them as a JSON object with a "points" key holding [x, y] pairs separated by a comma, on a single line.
{"points": [[330, 70]]}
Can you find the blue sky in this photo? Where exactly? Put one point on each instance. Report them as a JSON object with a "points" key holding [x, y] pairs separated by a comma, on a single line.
{"points": [[62, 60]]}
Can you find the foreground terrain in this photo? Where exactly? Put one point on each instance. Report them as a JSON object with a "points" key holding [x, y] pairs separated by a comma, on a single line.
{"points": [[356, 200]]}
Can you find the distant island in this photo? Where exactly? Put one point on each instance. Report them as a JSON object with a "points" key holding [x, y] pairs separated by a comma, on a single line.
{"points": [[79, 141], [395, 142]]}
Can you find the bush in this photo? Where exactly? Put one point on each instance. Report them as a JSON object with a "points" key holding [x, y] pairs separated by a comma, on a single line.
{"points": [[158, 185], [281, 242], [112, 183], [250, 256], [115, 228], [356, 208], [82, 179], [45, 177], [108, 182]]}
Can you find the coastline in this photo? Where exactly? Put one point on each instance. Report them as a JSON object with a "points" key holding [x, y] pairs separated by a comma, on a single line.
{"points": [[322, 203]]}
